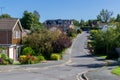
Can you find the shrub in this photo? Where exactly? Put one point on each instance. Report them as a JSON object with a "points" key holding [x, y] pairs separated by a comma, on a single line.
{"points": [[105, 42], [79, 31], [55, 56], [4, 60], [4, 56], [93, 32], [22, 59], [40, 58], [61, 43], [28, 50], [71, 32], [41, 42], [10, 61], [46, 42], [28, 59]]}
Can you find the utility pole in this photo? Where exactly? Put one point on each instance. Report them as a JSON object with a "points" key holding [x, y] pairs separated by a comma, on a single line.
{"points": [[1, 8]]}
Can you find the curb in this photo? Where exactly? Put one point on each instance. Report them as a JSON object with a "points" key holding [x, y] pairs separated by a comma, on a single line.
{"points": [[81, 76], [107, 63]]}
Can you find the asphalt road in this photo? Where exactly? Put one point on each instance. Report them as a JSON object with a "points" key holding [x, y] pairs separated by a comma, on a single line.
{"points": [[80, 62]]}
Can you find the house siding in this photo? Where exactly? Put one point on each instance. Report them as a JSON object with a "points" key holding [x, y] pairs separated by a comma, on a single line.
{"points": [[5, 37], [17, 40]]}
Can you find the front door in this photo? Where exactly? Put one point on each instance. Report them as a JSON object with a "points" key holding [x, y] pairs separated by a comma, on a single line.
{"points": [[16, 53], [11, 52]]}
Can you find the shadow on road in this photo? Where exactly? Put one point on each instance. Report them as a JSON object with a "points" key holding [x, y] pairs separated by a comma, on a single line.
{"points": [[104, 62], [96, 65], [82, 56]]}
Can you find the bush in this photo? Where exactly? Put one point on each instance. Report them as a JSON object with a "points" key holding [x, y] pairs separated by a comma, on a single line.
{"points": [[55, 56], [41, 42], [10, 61], [93, 32], [40, 58], [46, 42], [4, 56], [4, 60], [28, 50], [27, 59], [22, 59], [61, 43], [79, 31], [105, 42], [71, 33]]}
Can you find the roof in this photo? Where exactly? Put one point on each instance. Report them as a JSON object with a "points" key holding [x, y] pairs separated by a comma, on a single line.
{"points": [[9, 24]]}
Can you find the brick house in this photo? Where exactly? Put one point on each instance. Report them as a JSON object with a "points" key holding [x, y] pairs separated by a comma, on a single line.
{"points": [[10, 37], [60, 24]]}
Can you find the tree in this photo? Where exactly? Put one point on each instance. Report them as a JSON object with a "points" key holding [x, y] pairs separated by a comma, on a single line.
{"points": [[5, 16], [30, 21], [36, 14], [105, 42], [112, 20], [76, 23], [104, 15], [118, 18], [82, 22], [90, 23]]}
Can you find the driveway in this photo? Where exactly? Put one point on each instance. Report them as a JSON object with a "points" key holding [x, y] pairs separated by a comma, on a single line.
{"points": [[79, 61]]}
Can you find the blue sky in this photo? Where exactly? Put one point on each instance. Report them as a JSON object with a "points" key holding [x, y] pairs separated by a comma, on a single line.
{"points": [[60, 9]]}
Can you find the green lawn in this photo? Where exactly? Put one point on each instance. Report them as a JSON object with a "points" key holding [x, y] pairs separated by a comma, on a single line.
{"points": [[102, 56], [116, 71]]}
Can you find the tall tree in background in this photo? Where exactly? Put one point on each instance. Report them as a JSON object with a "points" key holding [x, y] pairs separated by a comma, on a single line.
{"points": [[5, 16], [90, 22], [118, 18], [112, 20], [30, 21], [76, 23], [82, 23], [104, 16], [36, 14]]}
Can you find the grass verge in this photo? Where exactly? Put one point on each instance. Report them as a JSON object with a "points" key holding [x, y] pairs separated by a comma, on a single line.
{"points": [[116, 70], [98, 55]]}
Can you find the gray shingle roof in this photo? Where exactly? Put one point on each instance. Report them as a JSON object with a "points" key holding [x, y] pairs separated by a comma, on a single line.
{"points": [[7, 24]]}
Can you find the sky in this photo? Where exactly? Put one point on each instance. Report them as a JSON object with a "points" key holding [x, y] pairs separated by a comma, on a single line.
{"points": [[60, 9]]}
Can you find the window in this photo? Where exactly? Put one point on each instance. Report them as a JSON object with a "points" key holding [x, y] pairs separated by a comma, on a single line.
{"points": [[16, 34]]}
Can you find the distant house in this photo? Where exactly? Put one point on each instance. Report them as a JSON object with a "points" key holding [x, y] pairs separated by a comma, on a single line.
{"points": [[101, 25], [10, 37], [25, 33], [60, 24], [104, 26]]}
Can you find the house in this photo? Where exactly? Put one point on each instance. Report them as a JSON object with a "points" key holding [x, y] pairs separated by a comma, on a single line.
{"points": [[101, 25], [10, 37], [104, 26], [25, 33], [60, 24]]}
